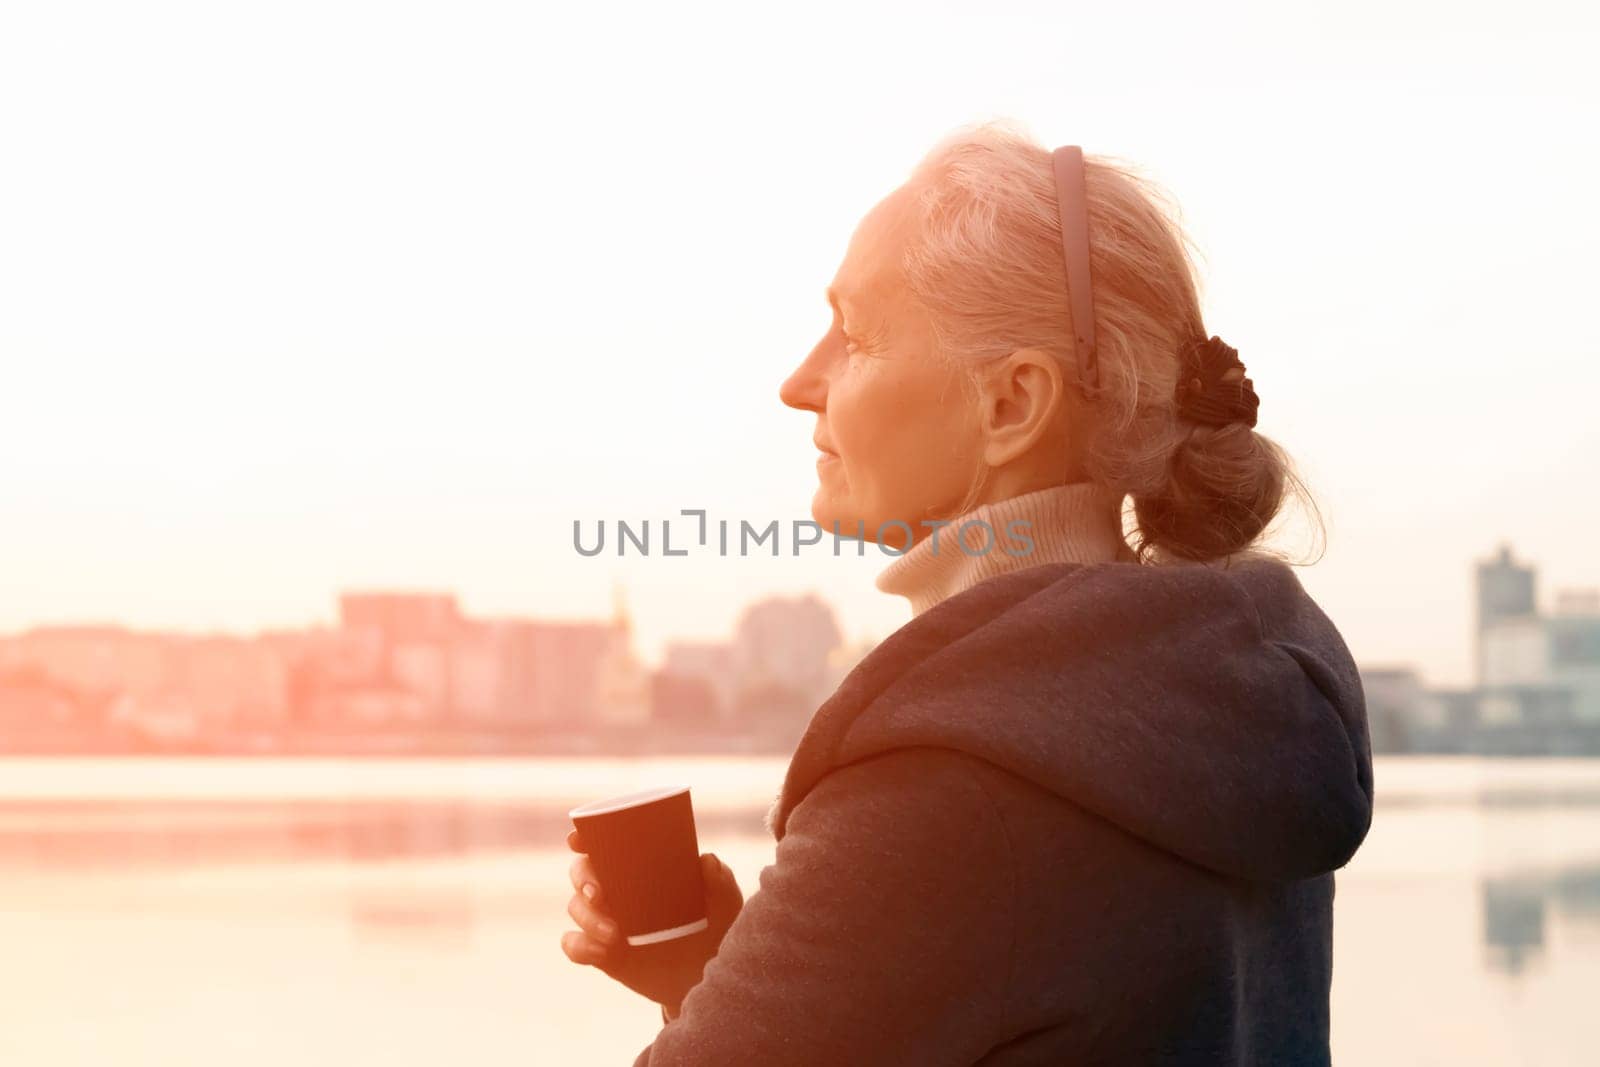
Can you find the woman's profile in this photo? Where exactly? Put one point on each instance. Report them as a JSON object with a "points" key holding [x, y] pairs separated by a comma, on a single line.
{"points": [[1085, 806]]}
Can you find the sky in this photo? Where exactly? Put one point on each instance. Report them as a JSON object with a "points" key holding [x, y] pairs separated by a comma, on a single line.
{"points": [[306, 297]]}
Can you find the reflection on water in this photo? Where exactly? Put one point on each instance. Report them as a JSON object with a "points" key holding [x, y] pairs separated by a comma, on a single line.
{"points": [[134, 832], [441, 916], [1514, 911], [253, 915]]}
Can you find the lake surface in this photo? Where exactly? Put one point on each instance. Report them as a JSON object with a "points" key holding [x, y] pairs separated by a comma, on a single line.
{"points": [[409, 912]]}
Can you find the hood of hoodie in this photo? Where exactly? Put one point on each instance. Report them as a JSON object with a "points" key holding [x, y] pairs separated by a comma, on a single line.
{"points": [[1213, 712]]}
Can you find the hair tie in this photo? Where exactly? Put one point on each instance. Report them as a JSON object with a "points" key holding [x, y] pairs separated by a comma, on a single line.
{"points": [[1203, 395]]}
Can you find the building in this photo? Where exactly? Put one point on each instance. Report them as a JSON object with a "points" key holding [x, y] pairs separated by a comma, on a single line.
{"points": [[230, 681], [401, 618], [1506, 591], [30, 702], [622, 684], [522, 673], [480, 675], [567, 663], [1573, 643], [403, 661], [709, 666], [1537, 684], [1398, 711], [94, 662], [782, 647], [1526, 658], [220, 681]]}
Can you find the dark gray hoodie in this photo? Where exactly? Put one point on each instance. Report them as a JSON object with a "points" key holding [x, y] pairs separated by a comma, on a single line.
{"points": [[1076, 814]]}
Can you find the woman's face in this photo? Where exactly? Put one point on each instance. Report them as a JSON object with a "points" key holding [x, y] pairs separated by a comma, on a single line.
{"points": [[896, 431]]}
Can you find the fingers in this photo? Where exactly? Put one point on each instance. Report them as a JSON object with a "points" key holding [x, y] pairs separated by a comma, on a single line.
{"points": [[580, 948], [583, 877], [596, 924], [592, 943]]}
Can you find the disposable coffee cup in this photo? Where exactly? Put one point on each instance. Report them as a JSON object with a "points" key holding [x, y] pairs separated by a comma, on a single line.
{"points": [[646, 855]]}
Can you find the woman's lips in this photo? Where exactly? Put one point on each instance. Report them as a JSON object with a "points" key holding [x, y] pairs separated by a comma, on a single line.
{"points": [[824, 458]]}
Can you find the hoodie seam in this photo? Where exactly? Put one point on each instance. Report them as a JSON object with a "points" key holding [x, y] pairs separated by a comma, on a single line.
{"points": [[1079, 573], [1011, 907]]}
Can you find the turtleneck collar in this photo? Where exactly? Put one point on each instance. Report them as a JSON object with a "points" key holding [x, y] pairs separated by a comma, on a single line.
{"points": [[1076, 523]]}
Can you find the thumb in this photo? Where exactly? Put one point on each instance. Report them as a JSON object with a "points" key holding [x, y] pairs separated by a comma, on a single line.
{"points": [[719, 878], [723, 899]]}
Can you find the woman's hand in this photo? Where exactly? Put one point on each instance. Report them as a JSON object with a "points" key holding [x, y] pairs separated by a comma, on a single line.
{"points": [[665, 971]]}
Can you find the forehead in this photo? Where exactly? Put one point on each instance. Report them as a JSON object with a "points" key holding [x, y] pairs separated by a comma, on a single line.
{"points": [[869, 277]]}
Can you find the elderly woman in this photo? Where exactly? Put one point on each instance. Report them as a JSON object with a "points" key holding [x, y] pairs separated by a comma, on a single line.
{"points": [[1086, 805]]}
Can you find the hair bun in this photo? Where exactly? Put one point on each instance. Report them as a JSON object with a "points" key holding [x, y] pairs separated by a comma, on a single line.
{"points": [[1204, 395]]}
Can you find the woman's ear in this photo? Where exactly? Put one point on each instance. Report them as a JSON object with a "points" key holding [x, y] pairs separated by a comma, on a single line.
{"points": [[1020, 404]]}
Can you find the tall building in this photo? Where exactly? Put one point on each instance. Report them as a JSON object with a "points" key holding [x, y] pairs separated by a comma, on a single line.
{"points": [[1506, 592], [1534, 666]]}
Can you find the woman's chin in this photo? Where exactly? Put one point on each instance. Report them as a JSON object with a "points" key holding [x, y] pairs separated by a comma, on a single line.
{"points": [[826, 513]]}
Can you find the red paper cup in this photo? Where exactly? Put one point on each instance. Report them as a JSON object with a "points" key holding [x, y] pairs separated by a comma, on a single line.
{"points": [[647, 857]]}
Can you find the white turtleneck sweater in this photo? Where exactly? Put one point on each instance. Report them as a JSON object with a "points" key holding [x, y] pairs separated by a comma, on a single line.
{"points": [[1076, 523]]}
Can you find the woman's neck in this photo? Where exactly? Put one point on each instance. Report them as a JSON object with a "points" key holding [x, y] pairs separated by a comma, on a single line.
{"points": [[1076, 523]]}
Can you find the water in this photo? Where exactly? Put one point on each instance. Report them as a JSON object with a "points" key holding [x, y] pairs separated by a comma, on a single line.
{"points": [[409, 912]]}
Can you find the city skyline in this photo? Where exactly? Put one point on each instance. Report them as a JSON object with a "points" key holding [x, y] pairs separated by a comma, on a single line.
{"points": [[402, 331], [411, 672], [1540, 598]]}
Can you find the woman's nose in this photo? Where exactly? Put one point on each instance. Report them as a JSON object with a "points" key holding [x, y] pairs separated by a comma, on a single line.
{"points": [[806, 388]]}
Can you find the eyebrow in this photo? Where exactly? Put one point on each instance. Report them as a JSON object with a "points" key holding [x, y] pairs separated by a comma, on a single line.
{"points": [[834, 299]]}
